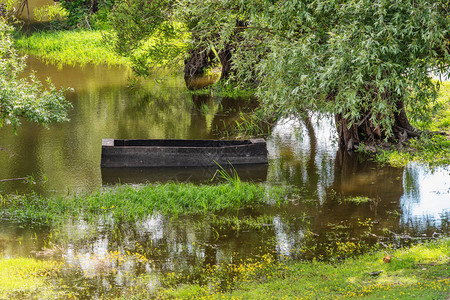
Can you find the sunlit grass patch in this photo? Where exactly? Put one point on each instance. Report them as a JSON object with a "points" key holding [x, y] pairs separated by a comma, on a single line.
{"points": [[70, 47], [433, 150], [26, 277], [441, 120], [430, 148]]}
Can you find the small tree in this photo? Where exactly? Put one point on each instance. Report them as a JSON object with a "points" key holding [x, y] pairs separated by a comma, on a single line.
{"points": [[25, 97]]}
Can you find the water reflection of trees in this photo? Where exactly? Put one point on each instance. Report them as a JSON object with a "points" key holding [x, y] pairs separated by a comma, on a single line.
{"points": [[329, 181]]}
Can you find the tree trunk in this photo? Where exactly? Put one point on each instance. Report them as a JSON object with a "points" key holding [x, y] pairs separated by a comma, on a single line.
{"points": [[225, 61], [364, 131], [199, 59]]}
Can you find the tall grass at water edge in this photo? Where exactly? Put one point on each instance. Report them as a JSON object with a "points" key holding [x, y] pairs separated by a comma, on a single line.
{"points": [[127, 202], [70, 48]]}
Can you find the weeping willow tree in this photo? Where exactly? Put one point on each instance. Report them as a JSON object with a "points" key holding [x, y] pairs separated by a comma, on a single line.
{"points": [[363, 61]]}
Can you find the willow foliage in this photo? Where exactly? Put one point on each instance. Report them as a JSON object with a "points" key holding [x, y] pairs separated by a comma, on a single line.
{"points": [[356, 58]]}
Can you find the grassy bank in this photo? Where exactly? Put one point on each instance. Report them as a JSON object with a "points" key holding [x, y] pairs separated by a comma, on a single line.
{"points": [[421, 271], [431, 149], [127, 202], [80, 47], [70, 47]]}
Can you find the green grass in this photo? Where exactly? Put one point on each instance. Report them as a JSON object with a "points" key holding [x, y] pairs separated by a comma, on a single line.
{"points": [[441, 120], [70, 47], [433, 150], [420, 272], [127, 202], [81, 47]]}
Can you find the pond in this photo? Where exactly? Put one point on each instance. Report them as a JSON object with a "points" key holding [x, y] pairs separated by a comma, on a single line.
{"points": [[341, 198]]}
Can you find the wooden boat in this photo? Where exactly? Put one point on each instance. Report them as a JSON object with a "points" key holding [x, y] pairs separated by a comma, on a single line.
{"points": [[182, 153]]}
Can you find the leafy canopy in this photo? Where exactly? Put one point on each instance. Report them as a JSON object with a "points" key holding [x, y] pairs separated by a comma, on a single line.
{"points": [[356, 58], [25, 97], [361, 59]]}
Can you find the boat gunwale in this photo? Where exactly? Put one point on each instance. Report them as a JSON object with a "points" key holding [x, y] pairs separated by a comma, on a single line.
{"points": [[214, 144]]}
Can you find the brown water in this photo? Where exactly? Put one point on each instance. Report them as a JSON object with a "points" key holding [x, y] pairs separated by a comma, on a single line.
{"points": [[106, 254]]}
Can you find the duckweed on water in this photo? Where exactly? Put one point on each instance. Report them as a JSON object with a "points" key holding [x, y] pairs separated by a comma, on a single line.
{"points": [[127, 202]]}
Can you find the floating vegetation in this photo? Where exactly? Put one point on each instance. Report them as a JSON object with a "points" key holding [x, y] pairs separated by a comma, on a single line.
{"points": [[357, 200]]}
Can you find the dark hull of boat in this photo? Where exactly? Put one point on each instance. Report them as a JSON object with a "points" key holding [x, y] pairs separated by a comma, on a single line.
{"points": [[182, 153], [251, 173]]}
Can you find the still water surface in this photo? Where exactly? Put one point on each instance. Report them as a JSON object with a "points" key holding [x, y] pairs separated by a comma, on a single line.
{"points": [[65, 159]]}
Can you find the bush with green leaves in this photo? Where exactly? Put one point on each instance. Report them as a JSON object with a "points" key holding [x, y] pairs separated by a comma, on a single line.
{"points": [[25, 97], [81, 13]]}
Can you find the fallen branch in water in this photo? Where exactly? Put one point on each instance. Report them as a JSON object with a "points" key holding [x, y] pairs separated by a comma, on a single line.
{"points": [[13, 179]]}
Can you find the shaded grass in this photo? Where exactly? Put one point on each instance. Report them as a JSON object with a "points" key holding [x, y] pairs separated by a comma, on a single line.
{"points": [[421, 271], [127, 202], [70, 47]]}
